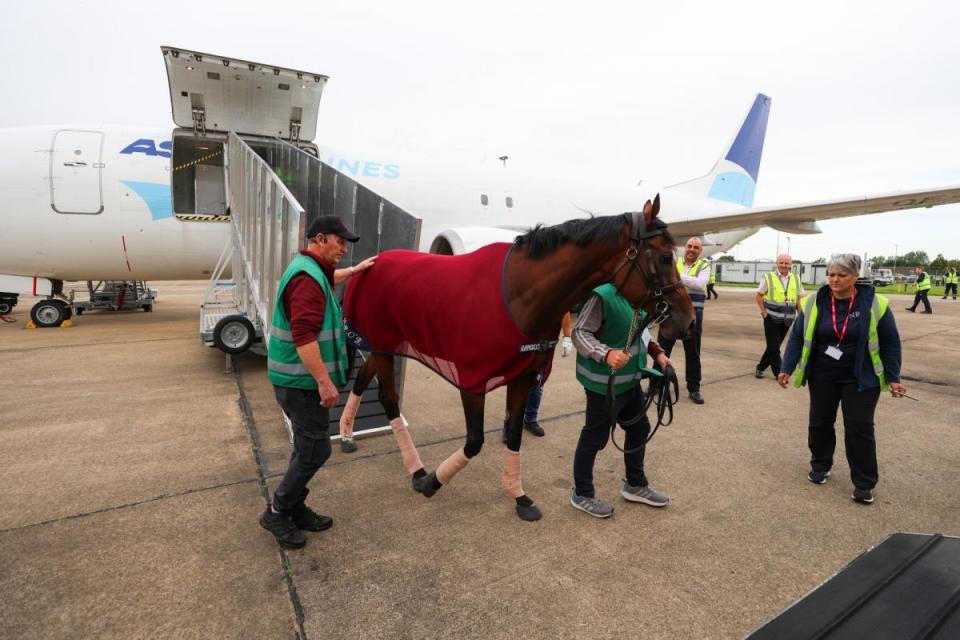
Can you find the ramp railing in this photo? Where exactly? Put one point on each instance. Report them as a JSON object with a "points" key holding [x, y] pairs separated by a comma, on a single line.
{"points": [[266, 222]]}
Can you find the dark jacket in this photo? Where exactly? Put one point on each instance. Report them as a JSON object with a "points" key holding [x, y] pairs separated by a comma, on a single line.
{"points": [[886, 333]]}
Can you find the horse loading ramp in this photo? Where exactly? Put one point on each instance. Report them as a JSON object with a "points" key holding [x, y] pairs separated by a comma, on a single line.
{"points": [[907, 587], [275, 190]]}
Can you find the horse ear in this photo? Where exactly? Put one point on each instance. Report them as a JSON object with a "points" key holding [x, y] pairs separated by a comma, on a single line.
{"points": [[656, 206], [647, 208]]}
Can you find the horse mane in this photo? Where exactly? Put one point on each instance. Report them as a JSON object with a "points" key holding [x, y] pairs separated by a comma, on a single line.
{"points": [[542, 241]]}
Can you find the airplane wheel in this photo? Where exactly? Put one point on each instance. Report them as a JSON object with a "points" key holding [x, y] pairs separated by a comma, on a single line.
{"points": [[49, 313], [233, 334], [147, 308], [7, 303], [79, 311]]}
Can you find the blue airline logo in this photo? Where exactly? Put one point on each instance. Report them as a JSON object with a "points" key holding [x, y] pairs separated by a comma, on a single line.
{"points": [[148, 147], [365, 168], [355, 168]]}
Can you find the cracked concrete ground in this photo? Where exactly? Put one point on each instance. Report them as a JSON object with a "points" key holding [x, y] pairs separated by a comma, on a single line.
{"points": [[132, 487]]}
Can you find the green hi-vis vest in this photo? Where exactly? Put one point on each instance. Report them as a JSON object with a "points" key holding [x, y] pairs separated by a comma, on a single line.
{"points": [[879, 307], [617, 321], [925, 285], [781, 304], [284, 366], [951, 278], [713, 276]]}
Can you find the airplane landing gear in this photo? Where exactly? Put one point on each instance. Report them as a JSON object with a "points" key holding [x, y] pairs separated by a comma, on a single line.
{"points": [[50, 313]]}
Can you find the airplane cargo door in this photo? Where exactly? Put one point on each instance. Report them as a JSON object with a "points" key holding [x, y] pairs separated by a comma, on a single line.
{"points": [[75, 167]]}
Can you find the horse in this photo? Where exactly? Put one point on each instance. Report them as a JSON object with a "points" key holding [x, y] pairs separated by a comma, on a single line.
{"points": [[515, 295]]}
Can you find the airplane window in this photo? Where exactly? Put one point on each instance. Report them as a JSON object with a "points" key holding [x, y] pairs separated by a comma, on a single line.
{"points": [[483, 199], [509, 202]]}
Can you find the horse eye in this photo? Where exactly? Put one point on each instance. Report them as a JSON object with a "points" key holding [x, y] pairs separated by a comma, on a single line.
{"points": [[666, 259]]}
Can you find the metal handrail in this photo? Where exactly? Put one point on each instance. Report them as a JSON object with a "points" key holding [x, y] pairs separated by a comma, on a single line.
{"points": [[265, 226]]}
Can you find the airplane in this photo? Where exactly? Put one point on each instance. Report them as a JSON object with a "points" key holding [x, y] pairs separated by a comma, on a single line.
{"points": [[124, 203]]}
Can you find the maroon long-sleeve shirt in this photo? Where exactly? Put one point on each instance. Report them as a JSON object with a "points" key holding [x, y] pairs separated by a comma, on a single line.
{"points": [[304, 303]]}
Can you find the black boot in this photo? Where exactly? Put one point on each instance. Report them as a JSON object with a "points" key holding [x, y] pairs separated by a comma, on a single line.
{"points": [[283, 529]]}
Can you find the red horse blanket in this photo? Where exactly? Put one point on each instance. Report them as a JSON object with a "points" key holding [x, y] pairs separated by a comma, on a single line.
{"points": [[448, 312]]}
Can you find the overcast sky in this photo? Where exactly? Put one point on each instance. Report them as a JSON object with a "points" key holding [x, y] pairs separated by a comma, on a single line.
{"points": [[866, 96]]}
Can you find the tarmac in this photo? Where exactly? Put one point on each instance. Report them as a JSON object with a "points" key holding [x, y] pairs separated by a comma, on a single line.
{"points": [[136, 462]]}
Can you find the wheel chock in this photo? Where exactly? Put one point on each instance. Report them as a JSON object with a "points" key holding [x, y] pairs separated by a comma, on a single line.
{"points": [[66, 323], [30, 325]]}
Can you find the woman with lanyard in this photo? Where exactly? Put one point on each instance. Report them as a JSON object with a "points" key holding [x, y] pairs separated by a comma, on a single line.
{"points": [[847, 348]]}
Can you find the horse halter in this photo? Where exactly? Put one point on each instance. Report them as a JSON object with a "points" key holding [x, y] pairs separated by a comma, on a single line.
{"points": [[655, 291]]}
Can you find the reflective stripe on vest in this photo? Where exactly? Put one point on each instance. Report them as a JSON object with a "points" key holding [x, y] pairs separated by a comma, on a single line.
{"points": [[781, 305], [697, 296], [951, 278], [810, 311]]}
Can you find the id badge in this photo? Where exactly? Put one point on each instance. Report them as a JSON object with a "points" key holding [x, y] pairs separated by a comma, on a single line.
{"points": [[834, 352]]}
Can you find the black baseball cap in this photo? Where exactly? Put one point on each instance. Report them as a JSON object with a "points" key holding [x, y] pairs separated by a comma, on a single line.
{"points": [[331, 224]]}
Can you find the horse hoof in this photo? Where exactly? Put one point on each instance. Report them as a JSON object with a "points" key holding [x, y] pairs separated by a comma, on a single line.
{"points": [[424, 484], [530, 514]]}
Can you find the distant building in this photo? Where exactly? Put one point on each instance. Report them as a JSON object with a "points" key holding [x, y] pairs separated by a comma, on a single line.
{"points": [[754, 270]]}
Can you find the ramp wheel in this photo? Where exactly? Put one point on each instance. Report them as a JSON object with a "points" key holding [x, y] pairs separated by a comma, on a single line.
{"points": [[233, 334], [49, 313], [5, 307]]}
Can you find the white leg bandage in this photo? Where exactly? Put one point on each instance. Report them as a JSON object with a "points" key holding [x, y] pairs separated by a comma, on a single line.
{"points": [[349, 415], [511, 474], [452, 466], [411, 459]]}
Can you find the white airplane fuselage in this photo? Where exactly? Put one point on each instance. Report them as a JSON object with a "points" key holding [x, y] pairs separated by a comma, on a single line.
{"points": [[75, 210]]}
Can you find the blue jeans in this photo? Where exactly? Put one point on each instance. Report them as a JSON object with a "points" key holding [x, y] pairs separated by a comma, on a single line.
{"points": [[532, 410]]}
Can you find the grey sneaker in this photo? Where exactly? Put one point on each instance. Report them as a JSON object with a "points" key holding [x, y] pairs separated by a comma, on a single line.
{"points": [[594, 506], [863, 496], [646, 495], [347, 445], [818, 477]]}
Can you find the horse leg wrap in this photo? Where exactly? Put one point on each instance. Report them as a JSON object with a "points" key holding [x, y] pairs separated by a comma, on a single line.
{"points": [[511, 474], [452, 466], [411, 458], [349, 415]]}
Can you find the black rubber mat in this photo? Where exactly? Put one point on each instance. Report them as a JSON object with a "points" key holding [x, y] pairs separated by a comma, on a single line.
{"points": [[907, 587]]}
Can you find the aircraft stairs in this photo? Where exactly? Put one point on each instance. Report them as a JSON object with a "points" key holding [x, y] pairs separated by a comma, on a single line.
{"points": [[274, 191]]}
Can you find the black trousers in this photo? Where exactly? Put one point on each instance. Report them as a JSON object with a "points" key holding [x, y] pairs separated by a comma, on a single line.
{"points": [[921, 296], [691, 352], [711, 291], [858, 429], [311, 444], [596, 431], [774, 333], [946, 290]]}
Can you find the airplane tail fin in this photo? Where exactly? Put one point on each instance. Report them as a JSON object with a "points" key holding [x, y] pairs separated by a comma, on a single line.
{"points": [[734, 176]]}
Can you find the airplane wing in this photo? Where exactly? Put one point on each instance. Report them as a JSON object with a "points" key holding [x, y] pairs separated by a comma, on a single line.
{"points": [[802, 219]]}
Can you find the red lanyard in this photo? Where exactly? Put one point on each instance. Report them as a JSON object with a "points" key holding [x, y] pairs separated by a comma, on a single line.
{"points": [[833, 309]]}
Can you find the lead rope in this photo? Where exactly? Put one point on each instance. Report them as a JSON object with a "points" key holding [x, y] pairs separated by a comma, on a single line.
{"points": [[658, 386]]}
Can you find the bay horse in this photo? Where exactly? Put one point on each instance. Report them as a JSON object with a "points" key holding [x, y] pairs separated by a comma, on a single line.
{"points": [[513, 298]]}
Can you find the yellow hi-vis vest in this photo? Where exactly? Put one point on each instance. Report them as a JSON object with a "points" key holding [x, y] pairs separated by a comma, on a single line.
{"points": [[697, 296], [781, 305], [951, 278], [879, 307], [284, 366], [925, 285]]}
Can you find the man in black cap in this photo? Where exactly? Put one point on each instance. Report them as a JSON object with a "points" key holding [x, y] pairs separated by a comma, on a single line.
{"points": [[307, 362]]}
